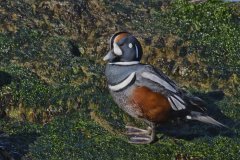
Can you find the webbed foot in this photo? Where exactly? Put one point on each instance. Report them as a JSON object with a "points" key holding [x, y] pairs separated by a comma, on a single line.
{"points": [[141, 136]]}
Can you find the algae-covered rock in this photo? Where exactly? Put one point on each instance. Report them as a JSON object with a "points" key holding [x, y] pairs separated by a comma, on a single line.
{"points": [[53, 95]]}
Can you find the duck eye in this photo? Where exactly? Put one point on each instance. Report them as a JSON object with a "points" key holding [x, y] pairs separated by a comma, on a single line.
{"points": [[130, 45]]}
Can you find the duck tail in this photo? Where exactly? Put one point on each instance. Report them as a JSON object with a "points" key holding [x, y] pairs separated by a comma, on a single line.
{"points": [[204, 118]]}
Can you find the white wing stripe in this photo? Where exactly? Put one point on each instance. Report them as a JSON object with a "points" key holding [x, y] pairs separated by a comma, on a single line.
{"points": [[180, 99], [158, 80], [176, 103], [124, 83], [172, 105]]}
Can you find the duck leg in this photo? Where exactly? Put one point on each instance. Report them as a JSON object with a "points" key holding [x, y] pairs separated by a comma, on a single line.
{"points": [[141, 136]]}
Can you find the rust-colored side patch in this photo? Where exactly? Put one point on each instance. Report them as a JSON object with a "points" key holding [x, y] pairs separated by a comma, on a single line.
{"points": [[155, 106]]}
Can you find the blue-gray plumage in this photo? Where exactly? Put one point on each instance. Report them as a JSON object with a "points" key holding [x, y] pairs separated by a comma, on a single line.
{"points": [[145, 92]]}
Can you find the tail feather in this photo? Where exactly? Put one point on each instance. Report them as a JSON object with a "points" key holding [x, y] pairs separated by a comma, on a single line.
{"points": [[204, 118], [195, 103]]}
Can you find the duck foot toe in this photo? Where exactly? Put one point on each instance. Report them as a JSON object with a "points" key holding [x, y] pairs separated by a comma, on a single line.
{"points": [[143, 139], [137, 131], [140, 136]]}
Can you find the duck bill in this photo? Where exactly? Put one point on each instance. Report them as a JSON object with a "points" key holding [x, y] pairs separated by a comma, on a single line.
{"points": [[110, 55]]}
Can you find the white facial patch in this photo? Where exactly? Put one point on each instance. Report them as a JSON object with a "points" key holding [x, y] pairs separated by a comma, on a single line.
{"points": [[116, 49], [130, 45], [124, 83]]}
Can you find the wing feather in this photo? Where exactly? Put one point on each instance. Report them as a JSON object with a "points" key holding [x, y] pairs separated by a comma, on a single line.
{"points": [[176, 102]]}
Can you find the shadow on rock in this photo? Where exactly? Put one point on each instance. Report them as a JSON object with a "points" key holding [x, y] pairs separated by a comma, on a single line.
{"points": [[15, 146], [4, 154], [189, 130], [5, 78]]}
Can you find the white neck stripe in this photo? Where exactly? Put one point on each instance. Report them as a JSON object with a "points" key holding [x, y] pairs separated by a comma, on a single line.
{"points": [[125, 63]]}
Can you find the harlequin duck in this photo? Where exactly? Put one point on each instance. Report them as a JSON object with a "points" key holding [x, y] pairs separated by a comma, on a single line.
{"points": [[145, 92]]}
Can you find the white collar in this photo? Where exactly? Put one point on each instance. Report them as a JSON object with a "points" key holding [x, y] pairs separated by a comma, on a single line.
{"points": [[125, 63]]}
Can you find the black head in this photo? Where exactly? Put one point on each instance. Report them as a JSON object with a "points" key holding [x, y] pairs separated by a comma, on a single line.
{"points": [[124, 47]]}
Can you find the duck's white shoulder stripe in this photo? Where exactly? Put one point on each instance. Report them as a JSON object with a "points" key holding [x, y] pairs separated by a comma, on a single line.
{"points": [[158, 80], [124, 83]]}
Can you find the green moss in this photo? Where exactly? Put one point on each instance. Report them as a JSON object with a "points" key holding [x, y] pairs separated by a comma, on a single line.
{"points": [[68, 94], [209, 28], [81, 138], [45, 76], [76, 136], [16, 136]]}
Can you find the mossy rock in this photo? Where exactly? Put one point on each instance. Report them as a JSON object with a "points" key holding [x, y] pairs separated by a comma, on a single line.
{"points": [[54, 98], [77, 136]]}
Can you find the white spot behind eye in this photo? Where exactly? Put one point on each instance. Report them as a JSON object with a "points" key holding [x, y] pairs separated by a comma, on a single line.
{"points": [[130, 45]]}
